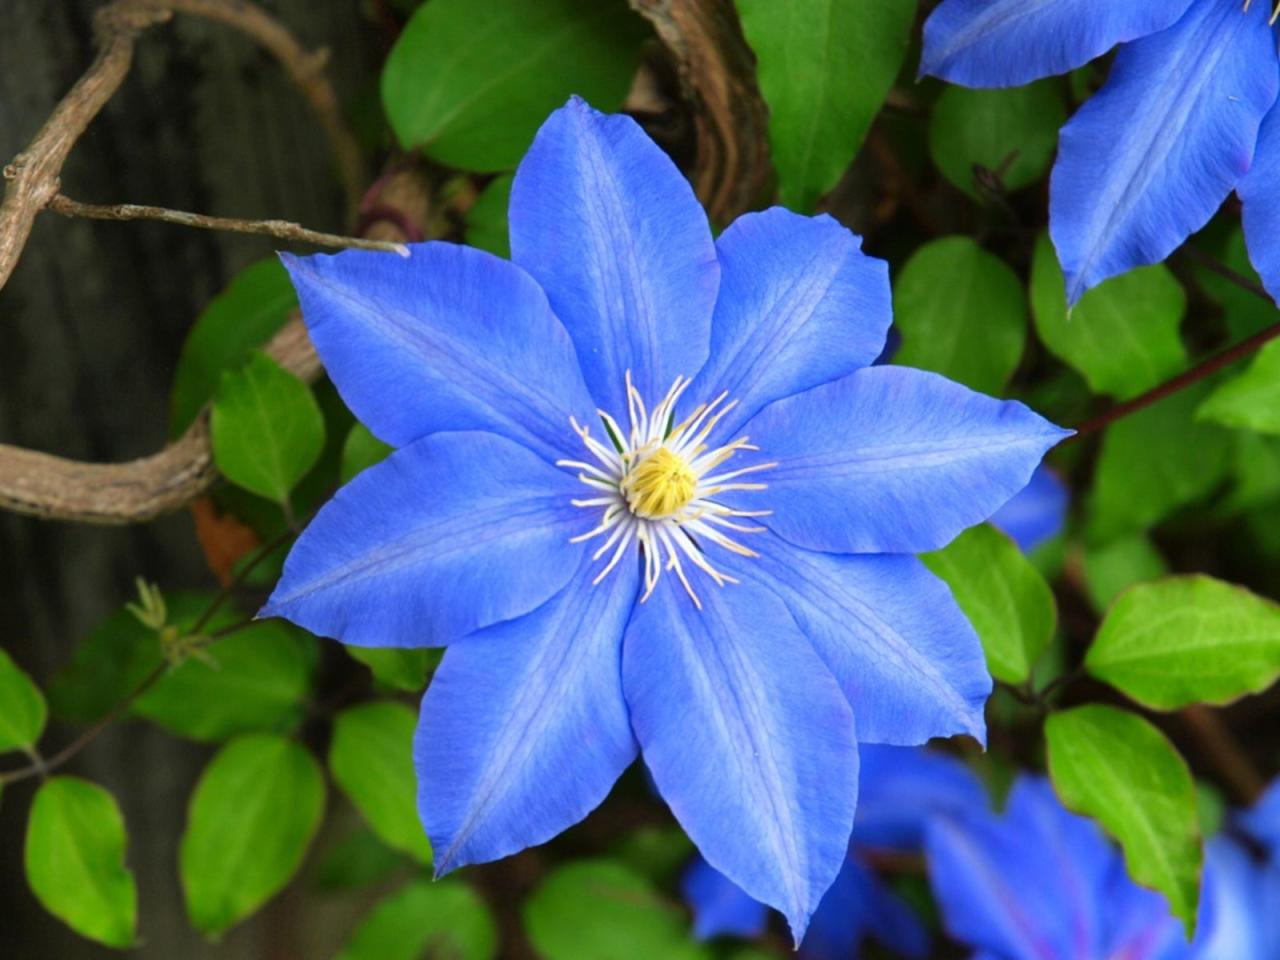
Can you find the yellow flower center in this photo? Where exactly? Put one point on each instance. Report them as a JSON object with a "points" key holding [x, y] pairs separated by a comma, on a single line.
{"points": [[660, 485]]}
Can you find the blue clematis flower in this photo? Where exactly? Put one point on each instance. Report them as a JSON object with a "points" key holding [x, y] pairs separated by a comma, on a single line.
{"points": [[1185, 117], [1038, 512], [575, 507], [900, 788], [1040, 883]]}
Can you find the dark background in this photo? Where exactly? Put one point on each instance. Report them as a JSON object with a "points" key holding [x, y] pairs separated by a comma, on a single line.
{"points": [[90, 328]]}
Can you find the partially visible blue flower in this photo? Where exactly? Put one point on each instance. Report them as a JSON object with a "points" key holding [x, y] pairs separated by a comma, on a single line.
{"points": [[1038, 512], [651, 494], [1262, 821], [1039, 883], [900, 789], [1185, 117]]}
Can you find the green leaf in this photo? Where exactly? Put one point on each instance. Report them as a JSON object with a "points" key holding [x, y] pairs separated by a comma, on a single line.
{"points": [[1244, 311], [255, 304], [1113, 567], [1003, 595], [360, 452], [1255, 473], [1123, 334], [400, 668], [487, 218], [267, 428], [357, 860], [824, 68], [252, 816], [426, 919], [23, 711], [1153, 462], [1011, 132], [470, 83], [961, 313], [75, 860], [1188, 640], [257, 678], [1117, 768], [371, 758], [600, 910], [1249, 400]]}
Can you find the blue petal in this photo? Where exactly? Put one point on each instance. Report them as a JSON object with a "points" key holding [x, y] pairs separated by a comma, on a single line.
{"points": [[1260, 192], [1037, 512], [1238, 909], [906, 658], [1151, 156], [606, 223], [1262, 820], [748, 739], [524, 728], [859, 905], [1031, 885], [720, 907], [901, 788], [445, 536], [450, 339], [892, 460], [800, 304], [1004, 43]]}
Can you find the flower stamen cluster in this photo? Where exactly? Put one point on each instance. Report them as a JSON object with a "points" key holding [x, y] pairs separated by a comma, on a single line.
{"points": [[657, 488], [1275, 12]]}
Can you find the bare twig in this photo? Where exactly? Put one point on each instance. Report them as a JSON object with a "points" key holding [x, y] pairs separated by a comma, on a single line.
{"points": [[717, 69], [280, 229], [1209, 367]]}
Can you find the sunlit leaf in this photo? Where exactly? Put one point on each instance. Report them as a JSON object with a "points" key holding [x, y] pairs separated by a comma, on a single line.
{"points": [[371, 758], [1003, 595], [75, 860], [22, 708], [1117, 768], [426, 919], [252, 816], [1188, 640]]}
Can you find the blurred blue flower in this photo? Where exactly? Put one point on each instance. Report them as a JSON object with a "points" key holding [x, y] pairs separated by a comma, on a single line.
{"points": [[1184, 118], [1040, 883], [574, 483], [900, 788], [1262, 821], [1037, 513]]}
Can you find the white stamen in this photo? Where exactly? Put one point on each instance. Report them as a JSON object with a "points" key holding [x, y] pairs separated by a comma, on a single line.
{"points": [[665, 504]]}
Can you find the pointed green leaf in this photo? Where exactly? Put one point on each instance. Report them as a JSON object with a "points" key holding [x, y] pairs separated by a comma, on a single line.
{"points": [[1249, 400], [426, 919], [257, 678], [470, 83], [1012, 132], [252, 816], [961, 313], [254, 305], [1188, 640], [1118, 769], [371, 758], [1003, 595], [600, 910], [75, 860], [22, 708], [1123, 334], [267, 428], [360, 451], [824, 68], [1153, 462]]}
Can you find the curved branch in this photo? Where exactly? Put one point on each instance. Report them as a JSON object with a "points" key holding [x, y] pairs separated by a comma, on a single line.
{"points": [[717, 69]]}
